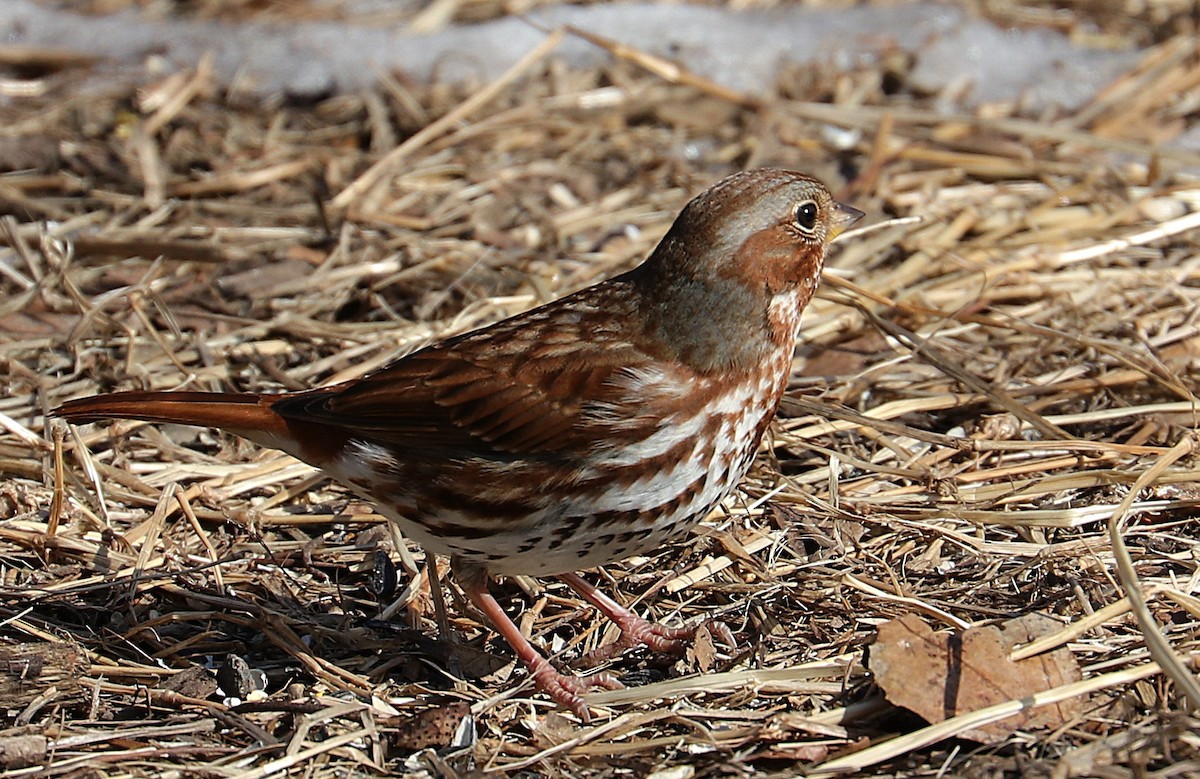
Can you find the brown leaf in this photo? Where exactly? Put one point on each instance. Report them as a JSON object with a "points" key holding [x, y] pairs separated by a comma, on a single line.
{"points": [[430, 729], [194, 682], [938, 675], [703, 650]]}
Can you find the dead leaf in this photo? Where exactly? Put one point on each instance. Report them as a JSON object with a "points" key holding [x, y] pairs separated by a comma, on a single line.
{"points": [[554, 729], [939, 675], [194, 681], [703, 651], [430, 729]]}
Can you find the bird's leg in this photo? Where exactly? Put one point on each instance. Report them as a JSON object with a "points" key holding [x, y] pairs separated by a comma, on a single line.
{"points": [[566, 690], [636, 630]]}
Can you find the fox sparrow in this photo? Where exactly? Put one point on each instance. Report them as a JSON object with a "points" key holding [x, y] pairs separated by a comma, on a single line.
{"points": [[596, 427]]}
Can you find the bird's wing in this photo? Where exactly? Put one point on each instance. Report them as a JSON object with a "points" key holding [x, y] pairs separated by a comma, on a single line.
{"points": [[530, 385]]}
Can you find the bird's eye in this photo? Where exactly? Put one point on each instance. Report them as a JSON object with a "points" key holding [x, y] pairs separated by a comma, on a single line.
{"points": [[806, 216]]}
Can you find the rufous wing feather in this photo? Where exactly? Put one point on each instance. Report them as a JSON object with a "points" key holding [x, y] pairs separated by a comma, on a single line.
{"points": [[492, 393], [452, 406]]}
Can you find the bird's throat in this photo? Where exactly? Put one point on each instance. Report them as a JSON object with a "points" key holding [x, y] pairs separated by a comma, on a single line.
{"points": [[714, 326]]}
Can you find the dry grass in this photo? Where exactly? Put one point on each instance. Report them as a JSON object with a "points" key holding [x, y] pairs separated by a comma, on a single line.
{"points": [[987, 387]]}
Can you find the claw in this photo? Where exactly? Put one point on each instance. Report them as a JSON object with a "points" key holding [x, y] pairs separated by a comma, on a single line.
{"points": [[568, 691], [635, 630]]}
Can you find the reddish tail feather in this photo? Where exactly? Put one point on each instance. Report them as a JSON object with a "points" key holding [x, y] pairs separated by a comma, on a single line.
{"points": [[243, 414]]}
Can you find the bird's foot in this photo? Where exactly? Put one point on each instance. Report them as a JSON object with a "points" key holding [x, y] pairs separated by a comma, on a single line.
{"points": [[636, 630], [568, 691], [659, 638]]}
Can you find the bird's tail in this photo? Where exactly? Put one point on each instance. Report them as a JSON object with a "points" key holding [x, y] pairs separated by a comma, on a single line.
{"points": [[245, 414]]}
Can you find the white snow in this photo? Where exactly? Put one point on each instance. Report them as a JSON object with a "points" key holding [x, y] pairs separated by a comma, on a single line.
{"points": [[739, 49]]}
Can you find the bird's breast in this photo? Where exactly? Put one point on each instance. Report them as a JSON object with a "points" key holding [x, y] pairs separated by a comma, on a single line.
{"points": [[624, 495]]}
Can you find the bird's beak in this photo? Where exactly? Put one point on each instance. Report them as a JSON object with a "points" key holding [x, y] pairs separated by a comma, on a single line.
{"points": [[843, 217]]}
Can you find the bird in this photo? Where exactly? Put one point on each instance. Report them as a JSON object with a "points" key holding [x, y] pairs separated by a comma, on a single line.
{"points": [[592, 428]]}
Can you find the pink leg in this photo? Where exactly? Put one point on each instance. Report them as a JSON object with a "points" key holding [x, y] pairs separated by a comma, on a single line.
{"points": [[565, 690], [634, 629]]}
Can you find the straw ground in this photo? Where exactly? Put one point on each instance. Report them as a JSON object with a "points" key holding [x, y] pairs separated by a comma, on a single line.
{"points": [[993, 415]]}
